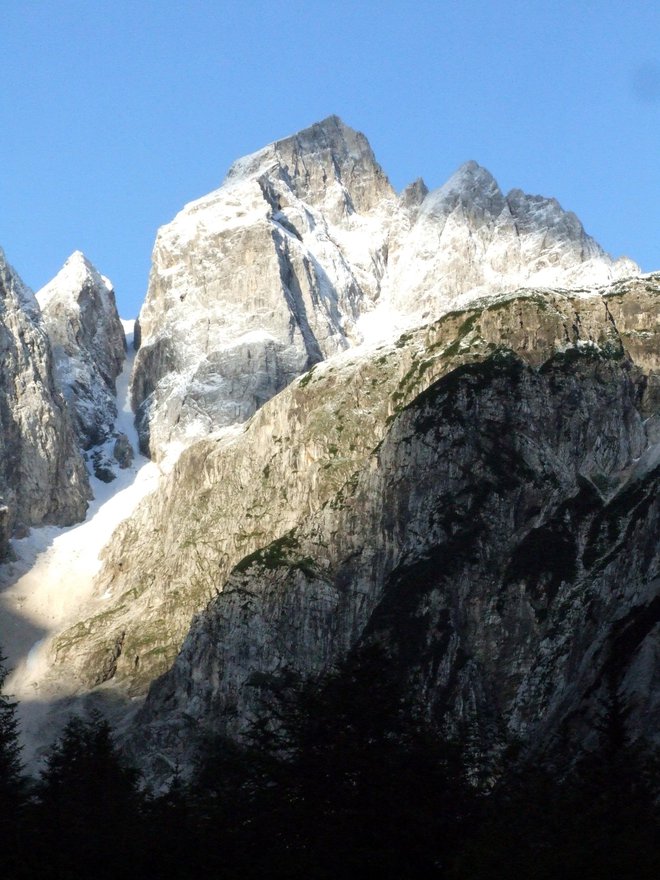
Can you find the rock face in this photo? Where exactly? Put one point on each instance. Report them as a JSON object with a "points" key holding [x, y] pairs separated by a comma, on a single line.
{"points": [[88, 343], [42, 476], [501, 540], [305, 251], [258, 281], [478, 492], [228, 497], [468, 239]]}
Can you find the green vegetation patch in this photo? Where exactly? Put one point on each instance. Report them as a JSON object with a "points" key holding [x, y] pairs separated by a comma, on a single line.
{"points": [[279, 554]]}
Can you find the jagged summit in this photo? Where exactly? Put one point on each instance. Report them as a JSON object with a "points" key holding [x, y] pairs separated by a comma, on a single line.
{"points": [[76, 273], [10, 281], [471, 186], [326, 154], [414, 194], [42, 478], [87, 338], [328, 135], [306, 250]]}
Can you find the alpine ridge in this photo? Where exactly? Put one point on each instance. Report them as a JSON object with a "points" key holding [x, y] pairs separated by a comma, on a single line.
{"points": [[88, 344], [306, 250]]}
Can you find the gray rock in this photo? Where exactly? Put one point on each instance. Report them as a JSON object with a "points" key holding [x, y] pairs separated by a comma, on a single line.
{"points": [[252, 285], [123, 451], [89, 346], [103, 467], [477, 546], [305, 251], [42, 475], [5, 532], [414, 194], [227, 498]]}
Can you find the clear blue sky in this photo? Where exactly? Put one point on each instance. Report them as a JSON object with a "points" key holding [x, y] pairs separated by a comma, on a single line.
{"points": [[115, 113]]}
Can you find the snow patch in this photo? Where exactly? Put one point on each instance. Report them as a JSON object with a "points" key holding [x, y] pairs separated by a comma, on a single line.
{"points": [[50, 585]]}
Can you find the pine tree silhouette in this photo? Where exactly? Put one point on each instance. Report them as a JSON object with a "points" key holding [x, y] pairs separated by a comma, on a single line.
{"points": [[88, 813], [12, 790]]}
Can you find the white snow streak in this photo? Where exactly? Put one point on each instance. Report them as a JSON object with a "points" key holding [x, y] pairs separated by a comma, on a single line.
{"points": [[51, 584]]}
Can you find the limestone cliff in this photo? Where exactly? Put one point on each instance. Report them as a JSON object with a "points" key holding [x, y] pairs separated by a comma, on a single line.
{"points": [[87, 339], [42, 476], [255, 283], [304, 251], [501, 541], [232, 494]]}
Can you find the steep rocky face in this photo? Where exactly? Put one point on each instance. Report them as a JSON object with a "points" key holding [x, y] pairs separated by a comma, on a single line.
{"points": [[42, 476], [88, 343], [468, 238], [255, 283], [501, 541], [229, 496], [305, 251]]}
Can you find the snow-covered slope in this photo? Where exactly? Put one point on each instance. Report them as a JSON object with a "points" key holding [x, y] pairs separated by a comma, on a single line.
{"points": [[306, 250]]}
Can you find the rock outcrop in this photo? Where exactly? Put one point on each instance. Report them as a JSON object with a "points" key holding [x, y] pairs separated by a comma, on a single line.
{"points": [[229, 496], [501, 540], [255, 283], [42, 475], [88, 343], [304, 251]]}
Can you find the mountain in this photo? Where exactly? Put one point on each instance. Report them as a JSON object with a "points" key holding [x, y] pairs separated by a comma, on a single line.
{"points": [[427, 420], [89, 348], [87, 339], [305, 251], [42, 475], [577, 409]]}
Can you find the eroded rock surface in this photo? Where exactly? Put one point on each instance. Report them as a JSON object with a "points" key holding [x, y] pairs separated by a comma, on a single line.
{"points": [[230, 495], [256, 282], [88, 343], [42, 475], [304, 251], [501, 541]]}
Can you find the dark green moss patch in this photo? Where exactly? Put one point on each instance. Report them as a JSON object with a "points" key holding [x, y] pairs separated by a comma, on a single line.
{"points": [[279, 554], [307, 378]]}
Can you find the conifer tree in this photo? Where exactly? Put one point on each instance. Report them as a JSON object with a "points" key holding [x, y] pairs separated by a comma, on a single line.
{"points": [[11, 780], [88, 804], [342, 779]]}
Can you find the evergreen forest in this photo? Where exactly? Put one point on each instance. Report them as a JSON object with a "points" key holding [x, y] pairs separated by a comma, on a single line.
{"points": [[345, 779]]}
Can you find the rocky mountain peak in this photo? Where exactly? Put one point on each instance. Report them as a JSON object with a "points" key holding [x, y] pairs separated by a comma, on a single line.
{"points": [[329, 160], [304, 251], [470, 186], [42, 477], [87, 338], [414, 194], [77, 277], [14, 289]]}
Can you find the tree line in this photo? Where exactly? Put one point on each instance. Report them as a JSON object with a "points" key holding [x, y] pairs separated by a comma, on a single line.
{"points": [[342, 778]]}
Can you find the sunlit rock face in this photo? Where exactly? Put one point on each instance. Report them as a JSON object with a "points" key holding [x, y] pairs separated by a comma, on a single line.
{"points": [[428, 419], [304, 251], [88, 343], [469, 239], [255, 283], [501, 541], [42, 476]]}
